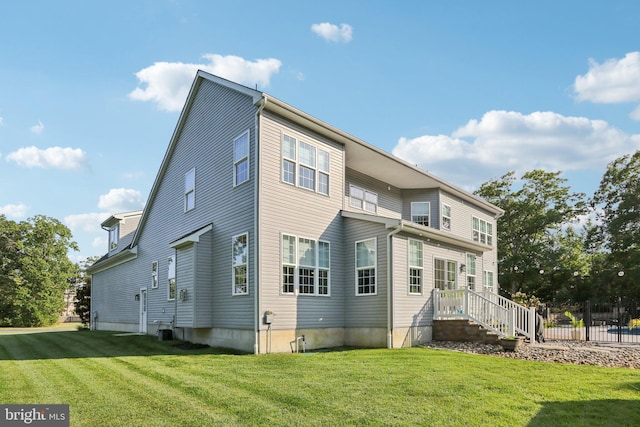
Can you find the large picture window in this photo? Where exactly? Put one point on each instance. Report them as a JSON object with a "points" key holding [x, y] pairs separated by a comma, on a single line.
{"points": [[305, 165], [366, 261], [241, 159], [305, 266], [415, 266], [239, 262]]}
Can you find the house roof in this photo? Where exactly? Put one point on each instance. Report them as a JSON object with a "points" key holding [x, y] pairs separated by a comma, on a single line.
{"points": [[115, 218], [360, 155], [422, 231]]}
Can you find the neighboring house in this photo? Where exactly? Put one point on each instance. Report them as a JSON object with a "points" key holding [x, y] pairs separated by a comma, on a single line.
{"points": [[265, 224]]}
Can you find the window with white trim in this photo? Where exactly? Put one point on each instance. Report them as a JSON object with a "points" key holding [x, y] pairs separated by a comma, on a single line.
{"points": [[305, 165], [190, 190], [366, 262], [363, 199], [471, 271], [305, 266], [114, 234], [444, 274], [488, 281], [445, 223], [415, 266], [171, 277], [239, 263], [482, 231], [241, 159], [420, 213], [154, 274]]}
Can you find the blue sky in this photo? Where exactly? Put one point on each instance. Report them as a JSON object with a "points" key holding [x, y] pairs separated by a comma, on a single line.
{"points": [[90, 92]]}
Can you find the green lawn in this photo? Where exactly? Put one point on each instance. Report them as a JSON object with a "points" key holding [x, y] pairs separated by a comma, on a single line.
{"points": [[113, 380]]}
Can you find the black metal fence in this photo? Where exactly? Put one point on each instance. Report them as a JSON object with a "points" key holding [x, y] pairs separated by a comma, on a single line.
{"points": [[611, 321]]}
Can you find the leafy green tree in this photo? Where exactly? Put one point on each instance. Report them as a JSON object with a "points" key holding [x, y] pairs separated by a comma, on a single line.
{"points": [[83, 292], [618, 202], [34, 270], [528, 232]]}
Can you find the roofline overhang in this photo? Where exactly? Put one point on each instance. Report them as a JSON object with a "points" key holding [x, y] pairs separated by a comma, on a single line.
{"points": [[424, 232], [121, 257], [191, 237]]}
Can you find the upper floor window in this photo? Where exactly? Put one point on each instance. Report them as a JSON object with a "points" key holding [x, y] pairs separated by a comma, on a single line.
{"points": [[366, 261], [363, 199], [482, 231], [305, 165], [415, 266], [239, 263], [114, 233], [305, 263], [420, 213], [190, 190], [241, 159], [471, 271], [445, 224]]}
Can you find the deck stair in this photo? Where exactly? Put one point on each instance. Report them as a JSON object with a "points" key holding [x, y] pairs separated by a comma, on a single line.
{"points": [[458, 312]]}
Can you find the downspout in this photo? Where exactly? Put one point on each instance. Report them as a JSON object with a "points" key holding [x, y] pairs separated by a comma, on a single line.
{"points": [[398, 228], [256, 194]]}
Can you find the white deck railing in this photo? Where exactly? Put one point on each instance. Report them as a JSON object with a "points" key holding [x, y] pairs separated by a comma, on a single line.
{"points": [[492, 311]]}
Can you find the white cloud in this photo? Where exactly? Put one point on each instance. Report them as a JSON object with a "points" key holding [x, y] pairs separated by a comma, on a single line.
{"points": [[17, 211], [613, 81], [121, 200], [50, 158], [37, 129], [635, 114], [168, 83], [507, 140], [99, 242], [1, 121], [333, 33], [88, 222]]}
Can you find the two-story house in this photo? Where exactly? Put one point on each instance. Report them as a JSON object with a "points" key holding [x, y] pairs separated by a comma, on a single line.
{"points": [[265, 224]]}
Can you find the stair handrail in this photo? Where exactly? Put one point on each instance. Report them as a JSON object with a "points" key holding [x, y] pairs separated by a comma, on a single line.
{"points": [[492, 311]]}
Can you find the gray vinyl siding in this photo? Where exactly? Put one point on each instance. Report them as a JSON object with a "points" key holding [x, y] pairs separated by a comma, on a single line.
{"points": [[185, 281], [205, 141], [365, 310], [426, 195], [288, 209], [113, 294], [389, 198]]}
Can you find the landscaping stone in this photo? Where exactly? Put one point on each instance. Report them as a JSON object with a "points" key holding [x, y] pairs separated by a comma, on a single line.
{"points": [[572, 352]]}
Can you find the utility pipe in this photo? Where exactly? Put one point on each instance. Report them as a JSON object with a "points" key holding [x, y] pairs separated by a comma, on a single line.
{"points": [[398, 228]]}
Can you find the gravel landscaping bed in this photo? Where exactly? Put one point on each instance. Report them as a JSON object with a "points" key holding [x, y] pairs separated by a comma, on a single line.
{"points": [[574, 352]]}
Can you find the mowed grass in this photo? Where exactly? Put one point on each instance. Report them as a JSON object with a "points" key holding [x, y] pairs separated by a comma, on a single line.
{"points": [[111, 380]]}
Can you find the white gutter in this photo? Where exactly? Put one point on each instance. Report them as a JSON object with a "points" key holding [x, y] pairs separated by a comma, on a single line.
{"points": [[396, 230], [256, 195]]}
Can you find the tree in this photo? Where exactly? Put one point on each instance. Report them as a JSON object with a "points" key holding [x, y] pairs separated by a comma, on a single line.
{"points": [[529, 230], [83, 293], [34, 270], [618, 202]]}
